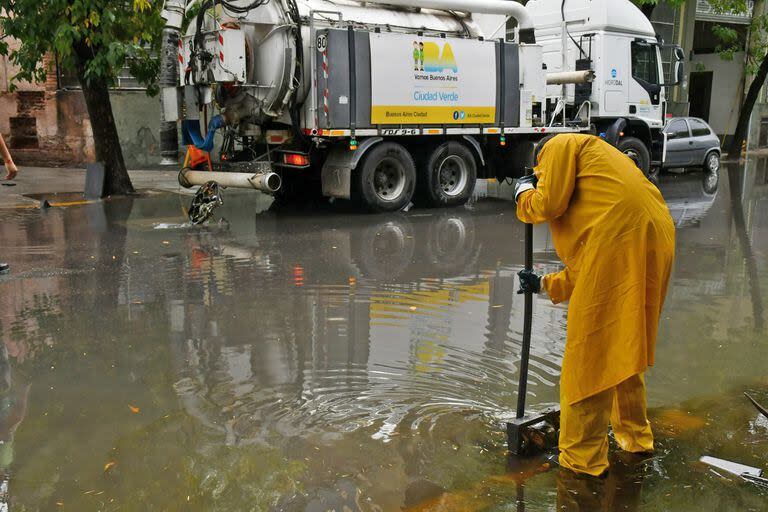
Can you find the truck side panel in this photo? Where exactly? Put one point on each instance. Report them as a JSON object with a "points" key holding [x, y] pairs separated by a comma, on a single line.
{"points": [[334, 80]]}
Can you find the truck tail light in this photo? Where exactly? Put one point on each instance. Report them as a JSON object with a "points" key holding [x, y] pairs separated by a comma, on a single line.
{"points": [[296, 159]]}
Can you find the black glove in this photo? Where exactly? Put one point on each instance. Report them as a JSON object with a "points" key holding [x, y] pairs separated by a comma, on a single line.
{"points": [[530, 282], [524, 184]]}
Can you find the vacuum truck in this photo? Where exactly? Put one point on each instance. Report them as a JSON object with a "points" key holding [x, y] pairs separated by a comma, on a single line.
{"points": [[391, 101]]}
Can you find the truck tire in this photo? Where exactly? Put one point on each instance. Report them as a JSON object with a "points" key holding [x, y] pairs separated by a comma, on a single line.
{"points": [[450, 175], [386, 178], [636, 150]]}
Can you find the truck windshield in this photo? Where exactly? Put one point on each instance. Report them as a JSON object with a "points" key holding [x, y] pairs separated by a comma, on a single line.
{"points": [[645, 64]]}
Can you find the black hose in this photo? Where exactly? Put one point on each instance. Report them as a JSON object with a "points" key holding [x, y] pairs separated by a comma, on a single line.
{"points": [[562, 12]]}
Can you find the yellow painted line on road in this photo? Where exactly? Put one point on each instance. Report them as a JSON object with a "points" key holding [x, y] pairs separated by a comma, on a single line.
{"points": [[36, 206]]}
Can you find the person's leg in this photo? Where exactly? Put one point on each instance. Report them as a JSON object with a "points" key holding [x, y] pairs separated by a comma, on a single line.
{"points": [[10, 167], [584, 433], [629, 418]]}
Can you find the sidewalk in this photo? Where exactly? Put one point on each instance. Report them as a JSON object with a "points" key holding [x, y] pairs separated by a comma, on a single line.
{"points": [[51, 181]]}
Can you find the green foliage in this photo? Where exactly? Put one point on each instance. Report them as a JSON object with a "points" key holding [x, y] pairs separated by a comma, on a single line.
{"points": [[94, 38], [674, 3], [757, 42]]}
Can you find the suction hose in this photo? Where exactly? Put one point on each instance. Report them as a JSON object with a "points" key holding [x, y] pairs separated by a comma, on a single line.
{"points": [[506, 7], [190, 131]]}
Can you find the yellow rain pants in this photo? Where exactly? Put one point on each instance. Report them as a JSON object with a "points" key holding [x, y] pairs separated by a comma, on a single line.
{"points": [[584, 426], [612, 230]]}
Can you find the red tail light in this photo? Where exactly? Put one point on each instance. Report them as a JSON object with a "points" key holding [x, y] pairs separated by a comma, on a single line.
{"points": [[296, 159]]}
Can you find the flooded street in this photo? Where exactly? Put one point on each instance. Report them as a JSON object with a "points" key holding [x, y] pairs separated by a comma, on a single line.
{"points": [[318, 359]]}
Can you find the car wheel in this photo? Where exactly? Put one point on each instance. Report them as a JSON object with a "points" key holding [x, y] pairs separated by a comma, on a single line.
{"points": [[635, 149], [712, 162], [386, 178], [451, 174]]}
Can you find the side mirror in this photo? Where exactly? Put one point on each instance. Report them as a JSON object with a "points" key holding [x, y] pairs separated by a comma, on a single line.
{"points": [[678, 76], [679, 72]]}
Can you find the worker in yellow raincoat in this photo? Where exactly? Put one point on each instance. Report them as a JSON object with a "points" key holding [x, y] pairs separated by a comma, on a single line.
{"points": [[613, 231]]}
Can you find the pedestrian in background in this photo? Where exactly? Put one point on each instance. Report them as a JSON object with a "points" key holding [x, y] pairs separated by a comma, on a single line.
{"points": [[10, 168], [613, 231], [10, 172]]}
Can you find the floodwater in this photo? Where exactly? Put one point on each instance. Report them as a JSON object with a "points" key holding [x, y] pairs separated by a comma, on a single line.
{"points": [[322, 360]]}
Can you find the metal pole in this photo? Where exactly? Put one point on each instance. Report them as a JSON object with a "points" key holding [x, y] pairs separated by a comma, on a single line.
{"points": [[173, 12], [522, 387]]}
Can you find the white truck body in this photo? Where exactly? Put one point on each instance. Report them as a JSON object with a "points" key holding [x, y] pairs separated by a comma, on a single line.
{"points": [[324, 82], [615, 26]]}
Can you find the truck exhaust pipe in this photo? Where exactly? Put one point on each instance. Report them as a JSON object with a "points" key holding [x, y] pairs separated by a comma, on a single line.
{"points": [[506, 7], [267, 182]]}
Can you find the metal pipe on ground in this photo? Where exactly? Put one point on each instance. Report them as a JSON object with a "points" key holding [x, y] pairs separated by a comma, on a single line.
{"points": [[570, 77], [267, 182]]}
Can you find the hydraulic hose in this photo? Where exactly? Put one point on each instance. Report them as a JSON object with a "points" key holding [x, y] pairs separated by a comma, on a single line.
{"points": [[190, 129]]}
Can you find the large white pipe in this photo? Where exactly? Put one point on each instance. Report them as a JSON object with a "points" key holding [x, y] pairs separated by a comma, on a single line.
{"points": [[173, 13], [267, 182], [570, 77], [506, 7]]}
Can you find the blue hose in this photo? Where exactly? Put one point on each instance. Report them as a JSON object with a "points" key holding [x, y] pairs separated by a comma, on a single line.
{"points": [[191, 135]]}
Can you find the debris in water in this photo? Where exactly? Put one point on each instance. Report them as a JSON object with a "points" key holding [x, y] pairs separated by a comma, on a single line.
{"points": [[168, 225], [206, 200], [134, 409], [4, 268], [759, 407], [747, 473], [109, 465]]}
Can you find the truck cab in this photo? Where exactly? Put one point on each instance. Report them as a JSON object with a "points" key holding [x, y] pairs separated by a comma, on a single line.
{"points": [[615, 40]]}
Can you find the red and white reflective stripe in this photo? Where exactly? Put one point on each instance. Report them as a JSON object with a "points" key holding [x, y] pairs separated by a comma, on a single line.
{"points": [[221, 43], [181, 51], [326, 92]]}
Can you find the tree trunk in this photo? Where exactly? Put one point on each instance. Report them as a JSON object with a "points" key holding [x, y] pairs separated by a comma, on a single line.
{"points": [[105, 138], [734, 148]]}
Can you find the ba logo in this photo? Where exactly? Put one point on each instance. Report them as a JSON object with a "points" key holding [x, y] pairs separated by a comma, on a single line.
{"points": [[614, 73], [430, 57]]}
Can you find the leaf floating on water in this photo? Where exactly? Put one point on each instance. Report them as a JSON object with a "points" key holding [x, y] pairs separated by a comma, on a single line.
{"points": [[109, 465], [134, 409]]}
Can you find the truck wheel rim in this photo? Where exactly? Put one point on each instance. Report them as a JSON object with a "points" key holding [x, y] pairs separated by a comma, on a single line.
{"points": [[389, 180], [713, 163], [453, 175]]}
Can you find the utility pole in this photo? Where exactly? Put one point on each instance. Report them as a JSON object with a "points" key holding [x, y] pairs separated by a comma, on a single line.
{"points": [[173, 12]]}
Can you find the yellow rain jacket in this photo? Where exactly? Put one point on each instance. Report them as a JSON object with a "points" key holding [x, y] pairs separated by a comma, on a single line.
{"points": [[613, 231]]}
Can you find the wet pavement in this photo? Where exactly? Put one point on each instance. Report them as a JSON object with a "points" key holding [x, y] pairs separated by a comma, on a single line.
{"points": [[316, 359]]}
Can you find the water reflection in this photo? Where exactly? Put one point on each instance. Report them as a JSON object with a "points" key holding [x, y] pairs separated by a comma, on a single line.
{"points": [[356, 324], [620, 490], [320, 360]]}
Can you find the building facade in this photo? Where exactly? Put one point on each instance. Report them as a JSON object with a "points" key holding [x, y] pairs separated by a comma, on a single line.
{"points": [[46, 124], [716, 85]]}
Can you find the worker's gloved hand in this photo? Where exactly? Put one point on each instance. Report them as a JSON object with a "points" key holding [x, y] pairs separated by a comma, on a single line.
{"points": [[530, 282], [525, 184]]}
